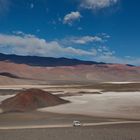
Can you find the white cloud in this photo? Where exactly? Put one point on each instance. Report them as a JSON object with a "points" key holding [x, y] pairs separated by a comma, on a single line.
{"points": [[20, 33], [86, 39], [83, 40], [32, 45], [119, 60], [105, 35], [71, 17], [97, 4], [104, 54], [27, 44]]}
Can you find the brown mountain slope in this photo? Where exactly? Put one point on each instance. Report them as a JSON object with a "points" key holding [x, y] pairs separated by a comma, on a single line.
{"points": [[80, 73], [30, 99]]}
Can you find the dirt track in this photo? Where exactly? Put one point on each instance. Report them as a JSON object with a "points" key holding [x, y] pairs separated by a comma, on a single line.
{"points": [[110, 132], [66, 125]]}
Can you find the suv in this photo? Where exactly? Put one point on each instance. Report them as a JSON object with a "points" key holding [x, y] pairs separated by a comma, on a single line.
{"points": [[76, 123]]}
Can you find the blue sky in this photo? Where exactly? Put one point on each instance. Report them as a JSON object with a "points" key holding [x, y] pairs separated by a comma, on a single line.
{"points": [[97, 30]]}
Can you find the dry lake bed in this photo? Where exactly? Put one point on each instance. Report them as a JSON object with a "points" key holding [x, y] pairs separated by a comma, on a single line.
{"points": [[89, 104]]}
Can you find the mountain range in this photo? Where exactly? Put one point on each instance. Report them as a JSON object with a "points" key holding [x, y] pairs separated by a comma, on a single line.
{"points": [[45, 61], [16, 69]]}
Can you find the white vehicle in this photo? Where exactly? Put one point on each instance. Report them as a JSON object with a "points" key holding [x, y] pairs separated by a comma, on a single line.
{"points": [[76, 123]]}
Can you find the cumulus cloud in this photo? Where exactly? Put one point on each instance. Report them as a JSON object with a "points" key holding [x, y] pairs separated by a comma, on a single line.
{"points": [[97, 4], [71, 17], [32, 45], [27, 44]]}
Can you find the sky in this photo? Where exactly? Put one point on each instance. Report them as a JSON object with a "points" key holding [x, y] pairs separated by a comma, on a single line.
{"points": [[96, 30]]}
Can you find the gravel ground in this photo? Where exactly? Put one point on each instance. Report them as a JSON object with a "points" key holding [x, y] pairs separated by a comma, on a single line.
{"points": [[47, 118], [112, 132]]}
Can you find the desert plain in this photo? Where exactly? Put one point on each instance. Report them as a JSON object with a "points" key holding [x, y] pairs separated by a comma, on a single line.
{"points": [[107, 111]]}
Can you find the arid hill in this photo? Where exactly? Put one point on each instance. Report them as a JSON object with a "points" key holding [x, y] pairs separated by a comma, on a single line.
{"points": [[28, 70], [29, 100], [25, 74]]}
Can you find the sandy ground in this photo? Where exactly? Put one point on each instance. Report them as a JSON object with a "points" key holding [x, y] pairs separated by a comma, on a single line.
{"points": [[16, 87], [47, 118], [100, 114], [120, 82], [65, 125], [95, 108], [111, 132], [3, 97], [108, 104]]}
